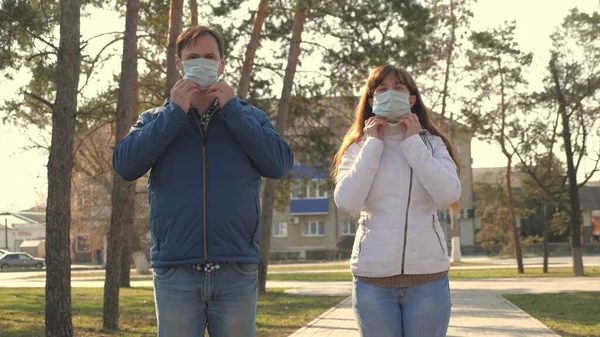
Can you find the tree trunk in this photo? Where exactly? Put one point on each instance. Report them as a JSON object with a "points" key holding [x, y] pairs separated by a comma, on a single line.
{"points": [[449, 54], [125, 277], [302, 11], [123, 192], [513, 217], [456, 255], [60, 165], [259, 19], [508, 177], [575, 212], [545, 233], [175, 25], [129, 230], [194, 12]]}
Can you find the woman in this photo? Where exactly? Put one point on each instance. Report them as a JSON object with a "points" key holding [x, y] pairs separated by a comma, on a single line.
{"points": [[397, 169]]}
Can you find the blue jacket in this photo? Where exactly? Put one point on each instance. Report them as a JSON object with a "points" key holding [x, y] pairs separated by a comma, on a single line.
{"points": [[203, 190]]}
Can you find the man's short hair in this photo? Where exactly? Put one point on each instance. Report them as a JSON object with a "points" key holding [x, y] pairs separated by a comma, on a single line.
{"points": [[190, 35]]}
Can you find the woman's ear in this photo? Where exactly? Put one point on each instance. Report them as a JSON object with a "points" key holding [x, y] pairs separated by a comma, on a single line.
{"points": [[370, 102], [412, 100]]}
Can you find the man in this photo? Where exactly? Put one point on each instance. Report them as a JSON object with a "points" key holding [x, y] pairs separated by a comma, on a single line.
{"points": [[207, 151]]}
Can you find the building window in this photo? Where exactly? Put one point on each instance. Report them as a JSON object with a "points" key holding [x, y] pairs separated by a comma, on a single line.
{"points": [[298, 192], [82, 244], [311, 189], [313, 228], [322, 189], [349, 227], [280, 230]]}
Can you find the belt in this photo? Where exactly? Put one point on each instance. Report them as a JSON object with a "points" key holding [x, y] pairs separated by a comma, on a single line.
{"points": [[206, 267]]}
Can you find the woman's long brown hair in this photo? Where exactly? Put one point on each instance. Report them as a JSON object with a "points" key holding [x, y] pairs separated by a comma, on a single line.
{"points": [[364, 111]]}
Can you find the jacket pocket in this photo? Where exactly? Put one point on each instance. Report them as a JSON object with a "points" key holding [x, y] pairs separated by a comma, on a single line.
{"points": [[257, 206], [437, 234], [156, 226]]}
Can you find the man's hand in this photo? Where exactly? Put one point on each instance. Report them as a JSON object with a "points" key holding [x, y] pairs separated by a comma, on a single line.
{"points": [[222, 91], [374, 127], [181, 93], [412, 124]]}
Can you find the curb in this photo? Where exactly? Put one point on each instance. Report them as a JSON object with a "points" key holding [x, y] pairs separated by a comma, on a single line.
{"points": [[540, 324], [310, 324]]}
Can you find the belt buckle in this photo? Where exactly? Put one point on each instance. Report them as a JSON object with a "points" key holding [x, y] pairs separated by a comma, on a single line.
{"points": [[207, 267]]}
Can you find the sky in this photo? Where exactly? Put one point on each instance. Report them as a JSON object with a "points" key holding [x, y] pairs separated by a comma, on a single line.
{"points": [[23, 172]]}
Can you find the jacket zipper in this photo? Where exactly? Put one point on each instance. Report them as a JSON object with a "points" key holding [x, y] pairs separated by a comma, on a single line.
{"points": [[257, 203], [436, 233], [406, 220], [204, 135], [204, 196], [155, 222]]}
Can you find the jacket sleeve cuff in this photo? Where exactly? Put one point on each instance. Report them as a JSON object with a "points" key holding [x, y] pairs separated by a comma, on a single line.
{"points": [[232, 107], [176, 112]]}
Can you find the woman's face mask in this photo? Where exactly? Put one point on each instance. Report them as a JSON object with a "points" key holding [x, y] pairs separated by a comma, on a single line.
{"points": [[391, 104], [203, 72]]}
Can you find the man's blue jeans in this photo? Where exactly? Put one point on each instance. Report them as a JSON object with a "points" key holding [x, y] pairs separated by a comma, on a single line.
{"points": [[420, 311], [224, 301]]}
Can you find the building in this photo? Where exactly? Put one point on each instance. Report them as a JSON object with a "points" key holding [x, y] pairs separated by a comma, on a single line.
{"points": [[589, 197], [15, 228], [91, 214]]}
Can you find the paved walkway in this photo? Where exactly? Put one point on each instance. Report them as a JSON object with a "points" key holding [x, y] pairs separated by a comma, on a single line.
{"points": [[478, 309]]}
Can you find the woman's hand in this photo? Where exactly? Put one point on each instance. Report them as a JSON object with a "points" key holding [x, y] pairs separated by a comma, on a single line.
{"points": [[411, 122], [374, 127]]}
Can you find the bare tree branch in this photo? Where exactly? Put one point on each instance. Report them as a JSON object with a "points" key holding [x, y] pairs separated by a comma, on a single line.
{"points": [[41, 54], [88, 135], [39, 98], [85, 42], [36, 145], [590, 174], [95, 60], [153, 65]]}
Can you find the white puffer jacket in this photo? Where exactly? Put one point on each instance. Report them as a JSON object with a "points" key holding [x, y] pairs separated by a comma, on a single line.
{"points": [[397, 186]]}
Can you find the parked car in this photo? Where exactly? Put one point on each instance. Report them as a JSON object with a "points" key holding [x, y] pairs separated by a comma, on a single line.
{"points": [[20, 260], [3, 251]]}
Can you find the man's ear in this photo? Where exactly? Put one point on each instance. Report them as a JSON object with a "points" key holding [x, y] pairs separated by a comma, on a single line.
{"points": [[412, 100], [222, 66], [178, 64]]}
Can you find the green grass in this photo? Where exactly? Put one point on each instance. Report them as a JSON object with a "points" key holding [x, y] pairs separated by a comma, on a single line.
{"points": [[98, 274], [568, 314], [464, 264], [454, 274], [511, 256], [22, 312], [330, 266], [341, 266], [512, 273]]}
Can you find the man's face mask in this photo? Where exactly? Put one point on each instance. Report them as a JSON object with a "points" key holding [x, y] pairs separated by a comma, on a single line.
{"points": [[391, 105], [203, 72]]}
